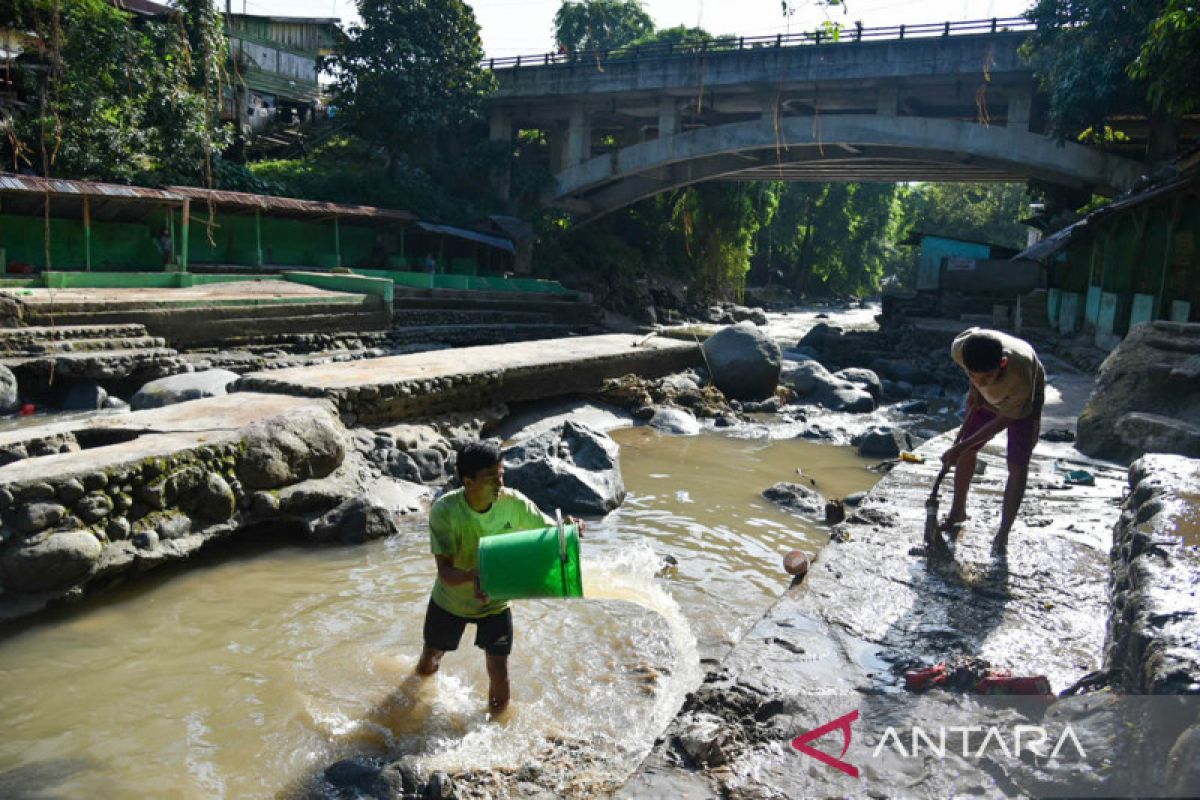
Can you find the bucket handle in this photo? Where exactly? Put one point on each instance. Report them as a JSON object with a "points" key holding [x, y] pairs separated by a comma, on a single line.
{"points": [[562, 535]]}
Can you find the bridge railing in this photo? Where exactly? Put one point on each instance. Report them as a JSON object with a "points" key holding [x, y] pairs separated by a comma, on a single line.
{"points": [[727, 44]]}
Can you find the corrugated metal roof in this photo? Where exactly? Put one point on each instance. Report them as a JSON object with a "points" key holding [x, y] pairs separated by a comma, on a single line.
{"points": [[31, 184], [1040, 251], [463, 233], [293, 206]]}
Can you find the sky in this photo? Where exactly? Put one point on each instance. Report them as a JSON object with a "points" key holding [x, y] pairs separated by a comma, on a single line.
{"points": [[519, 27]]}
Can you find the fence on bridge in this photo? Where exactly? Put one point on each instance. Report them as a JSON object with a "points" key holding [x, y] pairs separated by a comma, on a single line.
{"points": [[731, 44]]}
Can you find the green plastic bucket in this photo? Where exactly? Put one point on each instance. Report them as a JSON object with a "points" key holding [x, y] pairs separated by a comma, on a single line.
{"points": [[527, 564]]}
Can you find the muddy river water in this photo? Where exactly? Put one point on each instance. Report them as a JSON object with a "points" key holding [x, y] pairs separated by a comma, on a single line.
{"points": [[248, 674]]}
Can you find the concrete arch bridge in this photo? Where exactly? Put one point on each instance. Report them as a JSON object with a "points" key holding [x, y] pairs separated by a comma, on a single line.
{"points": [[946, 102]]}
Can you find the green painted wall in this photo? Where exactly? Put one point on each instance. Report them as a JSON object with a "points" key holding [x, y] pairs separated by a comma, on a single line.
{"points": [[285, 242], [115, 245]]}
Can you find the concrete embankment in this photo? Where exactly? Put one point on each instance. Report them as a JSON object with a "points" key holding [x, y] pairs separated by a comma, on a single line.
{"points": [[87, 503]]}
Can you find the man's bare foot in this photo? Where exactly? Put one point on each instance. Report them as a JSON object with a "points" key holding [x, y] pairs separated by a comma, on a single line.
{"points": [[1000, 545], [952, 526], [497, 705]]}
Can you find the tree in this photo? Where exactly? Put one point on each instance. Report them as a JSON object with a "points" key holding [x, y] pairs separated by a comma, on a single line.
{"points": [[109, 96], [600, 24], [1167, 59], [408, 77]]}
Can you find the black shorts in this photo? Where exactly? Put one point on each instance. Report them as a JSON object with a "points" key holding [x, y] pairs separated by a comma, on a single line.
{"points": [[444, 630]]}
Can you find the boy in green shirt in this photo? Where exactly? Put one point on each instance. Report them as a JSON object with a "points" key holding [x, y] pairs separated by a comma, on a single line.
{"points": [[457, 521]]}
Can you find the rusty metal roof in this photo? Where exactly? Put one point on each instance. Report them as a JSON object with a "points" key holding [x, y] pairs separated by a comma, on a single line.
{"points": [[32, 184], [293, 206]]}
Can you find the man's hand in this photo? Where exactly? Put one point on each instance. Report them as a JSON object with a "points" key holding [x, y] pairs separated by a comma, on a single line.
{"points": [[580, 525], [951, 456], [480, 594]]}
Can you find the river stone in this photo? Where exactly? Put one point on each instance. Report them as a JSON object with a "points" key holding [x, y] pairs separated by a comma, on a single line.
{"points": [[864, 378], [38, 516], [1155, 433], [360, 777], [57, 560], [572, 466], [354, 521], [10, 400], [705, 739], [181, 388], [69, 491], [214, 499], [744, 362], [897, 390], [804, 377], [118, 529], [675, 420], [819, 336], [400, 465], [35, 492], [882, 441], [173, 526], [744, 314], [680, 383], [291, 447], [94, 507], [897, 369], [145, 539], [796, 498], [430, 464]]}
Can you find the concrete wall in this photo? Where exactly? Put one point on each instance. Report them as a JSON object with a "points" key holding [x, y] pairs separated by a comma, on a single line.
{"points": [[1000, 277], [934, 249]]}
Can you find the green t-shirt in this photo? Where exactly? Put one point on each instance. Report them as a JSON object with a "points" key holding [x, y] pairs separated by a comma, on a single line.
{"points": [[455, 530]]}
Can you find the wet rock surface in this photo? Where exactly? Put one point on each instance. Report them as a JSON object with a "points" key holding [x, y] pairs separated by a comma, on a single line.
{"points": [[744, 362], [839, 641], [1147, 375], [180, 388]]}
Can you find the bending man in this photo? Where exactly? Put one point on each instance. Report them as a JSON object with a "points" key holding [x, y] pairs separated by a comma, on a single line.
{"points": [[1008, 389]]}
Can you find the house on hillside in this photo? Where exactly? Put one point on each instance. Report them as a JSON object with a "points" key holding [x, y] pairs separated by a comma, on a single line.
{"points": [[276, 67], [1131, 261]]}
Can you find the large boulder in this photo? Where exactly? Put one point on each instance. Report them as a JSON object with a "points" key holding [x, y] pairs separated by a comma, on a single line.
{"points": [[282, 450], [84, 396], [9, 399], [813, 384], [51, 562], [180, 388], [862, 377], [571, 466], [354, 521], [821, 335], [744, 362], [744, 314], [897, 369], [882, 441], [1147, 396]]}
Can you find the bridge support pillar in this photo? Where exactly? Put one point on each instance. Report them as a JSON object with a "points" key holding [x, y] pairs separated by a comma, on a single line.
{"points": [[668, 117], [556, 137], [887, 101], [500, 129], [1020, 104], [579, 136]]}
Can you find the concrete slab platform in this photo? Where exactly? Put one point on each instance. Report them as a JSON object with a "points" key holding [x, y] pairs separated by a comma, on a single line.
{"points": [[239, 293], [407, 386]]}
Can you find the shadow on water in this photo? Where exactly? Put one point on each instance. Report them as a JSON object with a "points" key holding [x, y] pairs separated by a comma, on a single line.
{"points": [[41, 780]]}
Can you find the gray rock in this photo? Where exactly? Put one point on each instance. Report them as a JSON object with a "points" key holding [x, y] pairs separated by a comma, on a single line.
{"points": [[852, 500], [804, 377], [571, 466], [84, 396], [50, 562], [744, 362], [882, 442], [355, 521], [145, 539], [796, 498], [214, 499], [400, 465], [10, 400], [680, 383], [768, 406], [69, 491], [864, 378], [897, 390], [928, 391], [118, 529], [814, 384], [358, 777], [290, 447], [264, 503], [744, 314], [821, 334], [675, 420], [431, 464], [38, 516], [173, 526], [94, 507], [181, 388], [913, 407], [115, 403], [896, 369], [1155, 433], [705, 739]]}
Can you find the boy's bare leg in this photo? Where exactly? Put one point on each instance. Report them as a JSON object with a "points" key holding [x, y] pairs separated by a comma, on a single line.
{"points": [[1014, 493], [498, 688], [964, 473], [430, 661]]}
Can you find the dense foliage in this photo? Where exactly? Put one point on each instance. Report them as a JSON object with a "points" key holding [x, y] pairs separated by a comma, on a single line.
{"points": [[1099, 58], [407, 79], [111, 97]]}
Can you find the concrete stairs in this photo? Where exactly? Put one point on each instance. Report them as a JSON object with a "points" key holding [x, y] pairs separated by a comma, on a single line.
{"points": [[93, 352], [467, 318]]}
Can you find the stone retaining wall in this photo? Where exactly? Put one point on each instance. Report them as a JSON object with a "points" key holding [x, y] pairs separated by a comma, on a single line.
{"points": [[1154, 631]]}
